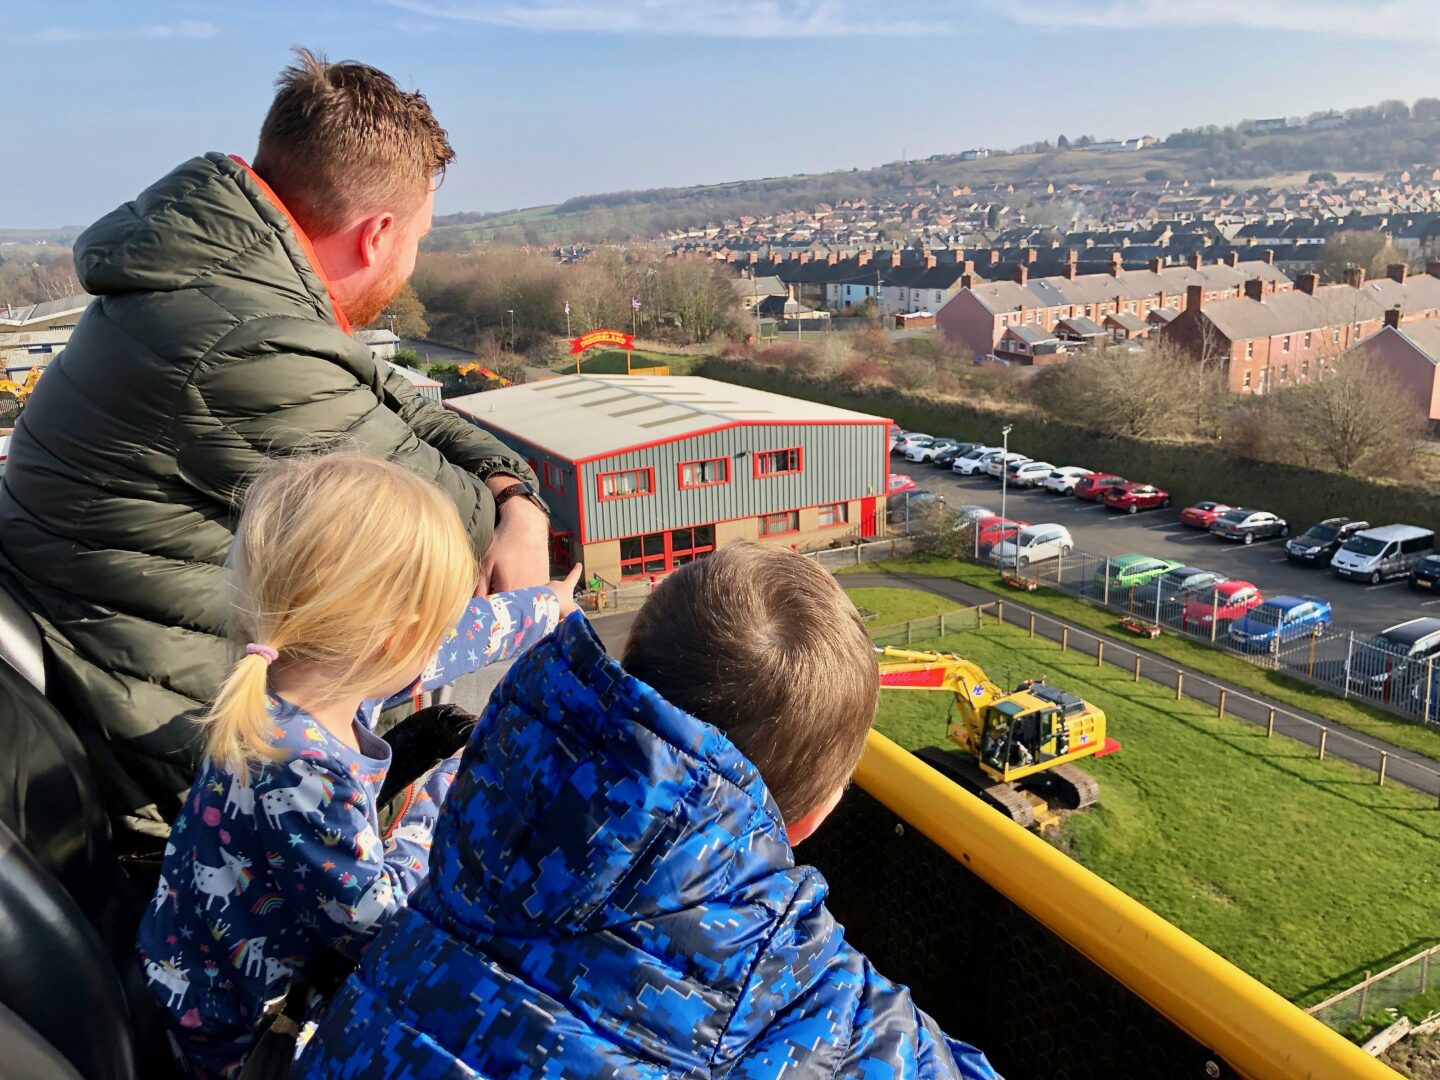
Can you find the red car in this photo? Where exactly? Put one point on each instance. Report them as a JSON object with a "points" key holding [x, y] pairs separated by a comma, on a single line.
{"points": [[1133, 497], [1092, 488], [1202, 514], [1224, 603], [992, 530], [899, 484]]}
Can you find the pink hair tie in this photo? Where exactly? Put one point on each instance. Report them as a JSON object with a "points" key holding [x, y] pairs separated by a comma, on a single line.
{"points": [[265, 652]]}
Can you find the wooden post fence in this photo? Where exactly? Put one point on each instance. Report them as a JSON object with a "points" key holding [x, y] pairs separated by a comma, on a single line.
{"points": [[1324, 731], [1179, 685], [1064, 638], [1137, 667], [1099, 654], [1380, 772], [1032, 624], [1220, 709], [1270, 723]]}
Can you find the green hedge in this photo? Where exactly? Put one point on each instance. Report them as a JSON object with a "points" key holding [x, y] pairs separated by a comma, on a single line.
{"points": [[1189, 471]]}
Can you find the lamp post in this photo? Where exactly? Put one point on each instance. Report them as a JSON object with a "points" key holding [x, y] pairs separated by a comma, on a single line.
{"points": [[511, 313], [1004, 484]]}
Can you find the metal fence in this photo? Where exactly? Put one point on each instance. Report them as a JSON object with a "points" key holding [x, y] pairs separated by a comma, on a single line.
{"points": [[1389, 989], [1336, 659]]}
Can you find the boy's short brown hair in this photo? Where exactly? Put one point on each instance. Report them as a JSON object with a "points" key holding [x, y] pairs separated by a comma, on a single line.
{"points": [[766, 646], [342, 140]]}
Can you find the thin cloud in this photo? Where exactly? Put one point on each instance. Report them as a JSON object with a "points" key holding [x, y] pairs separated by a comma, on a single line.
{"points": [[184, 28], [680, 18], [1375, 20]]}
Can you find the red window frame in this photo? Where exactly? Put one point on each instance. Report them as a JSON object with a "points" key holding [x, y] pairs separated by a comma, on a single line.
{"points": [[762, 455], [552, 476], [680, 473], [842, 515], [648, 470], [668, 554], [792, 523]]}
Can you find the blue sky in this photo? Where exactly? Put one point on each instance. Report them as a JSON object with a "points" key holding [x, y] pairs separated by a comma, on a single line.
{"points": [[550, 98]]}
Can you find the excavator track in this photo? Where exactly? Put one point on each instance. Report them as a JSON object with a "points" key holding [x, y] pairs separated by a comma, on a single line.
{"points": [[962, 768], [1071, 788]]}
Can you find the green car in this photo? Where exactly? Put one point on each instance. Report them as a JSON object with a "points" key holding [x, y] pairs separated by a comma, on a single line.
{"points": [[1130, 571]]}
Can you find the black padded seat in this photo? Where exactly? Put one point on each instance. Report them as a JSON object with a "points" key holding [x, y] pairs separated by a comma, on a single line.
{"points": [[28, 1056], [20, 641]]}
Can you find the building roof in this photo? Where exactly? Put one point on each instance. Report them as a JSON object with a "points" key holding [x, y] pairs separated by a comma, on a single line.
{"points": [[376, 337], [413, 377], [1080, 326], [762, 285], [1126, 321], [1032, 335], [1421, 292], [1287, 313], [1423, 336], [1046, 292], [586, 416], [50, 309]]}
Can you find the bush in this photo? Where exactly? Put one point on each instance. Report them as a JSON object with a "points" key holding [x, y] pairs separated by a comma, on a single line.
{"points": [[862, 370]]}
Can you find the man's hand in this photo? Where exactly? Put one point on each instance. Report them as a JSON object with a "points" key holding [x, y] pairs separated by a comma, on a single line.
{"points": [[519, 553]]}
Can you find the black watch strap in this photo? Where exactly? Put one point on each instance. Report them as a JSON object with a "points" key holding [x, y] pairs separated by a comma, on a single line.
{"points": [[519, 490]]}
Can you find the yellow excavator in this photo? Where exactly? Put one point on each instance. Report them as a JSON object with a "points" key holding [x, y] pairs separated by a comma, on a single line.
{"points": [[1019, 746], [21, 390], [484, 373]]}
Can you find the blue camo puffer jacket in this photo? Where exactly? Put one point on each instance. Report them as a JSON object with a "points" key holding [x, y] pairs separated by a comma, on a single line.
{"points": [[611, 893]]}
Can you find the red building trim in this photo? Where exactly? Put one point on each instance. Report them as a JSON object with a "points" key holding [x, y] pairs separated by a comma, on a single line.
{"points": [[762, 534], [680, 474], [649, 470], [798, 451], [546, 482]]}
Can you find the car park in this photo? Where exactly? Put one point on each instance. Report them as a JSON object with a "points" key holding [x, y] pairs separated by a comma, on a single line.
{"points": [[974, 460], [1029, 474], [946, 458], [1318, 544], [1279, 620], [1127, 572], [1132, 497], [992, 530], [1426, 574], [1392, 661], [1247, 526], [1226, 602], [905, 503], [973, 512], [1062, 481], [998, 463], [1034, 543], [1391, 551], [1201, 515], [1176, 585], [909, 439], [924, 453], [899, 484], [1092, 488]]}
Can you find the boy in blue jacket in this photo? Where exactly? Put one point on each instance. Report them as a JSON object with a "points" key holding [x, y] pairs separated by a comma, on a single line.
{"points": [[612, 889]]}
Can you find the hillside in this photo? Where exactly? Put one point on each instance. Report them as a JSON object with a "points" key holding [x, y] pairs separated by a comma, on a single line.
{"points": [[1370, 141]]}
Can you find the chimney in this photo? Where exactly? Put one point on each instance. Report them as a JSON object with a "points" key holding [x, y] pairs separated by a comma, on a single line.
{"points": [[803, 257], [1232, 258], [1031, 254], [1268, 257], [1116, 264], [1433, 268], [968, 267], [1157, 264], [1195, 260], [1022, 273], [729, 256], [994, 256], [1255, 290], [930, 262], [1194, 297], [862, 259], [1396, 272], [752, 258], [1067, 270], [967, 280], [1392, 317], [1354, 276], [1306, 282]]}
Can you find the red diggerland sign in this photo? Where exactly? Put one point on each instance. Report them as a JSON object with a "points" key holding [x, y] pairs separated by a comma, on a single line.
{"points": [[601, 337]]}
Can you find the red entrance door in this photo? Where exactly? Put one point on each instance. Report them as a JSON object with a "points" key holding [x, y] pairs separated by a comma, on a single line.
{"points": [[868, 528]]}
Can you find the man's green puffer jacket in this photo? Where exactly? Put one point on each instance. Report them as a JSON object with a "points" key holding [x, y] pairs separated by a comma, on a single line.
{"points": [[213, 344]]}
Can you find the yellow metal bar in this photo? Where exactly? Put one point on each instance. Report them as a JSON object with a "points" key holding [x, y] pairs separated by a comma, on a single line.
{"points": [[1251, 1027]]}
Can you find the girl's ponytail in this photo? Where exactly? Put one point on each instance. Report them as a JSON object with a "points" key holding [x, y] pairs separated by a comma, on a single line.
{"points": [[238, 720]]}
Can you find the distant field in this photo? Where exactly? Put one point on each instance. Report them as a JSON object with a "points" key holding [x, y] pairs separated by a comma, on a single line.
{"points": [[1302, 872], [612, 362]]}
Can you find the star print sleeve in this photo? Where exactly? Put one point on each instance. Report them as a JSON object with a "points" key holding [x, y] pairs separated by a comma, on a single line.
{"points": [[493, 628], [322, 841]]}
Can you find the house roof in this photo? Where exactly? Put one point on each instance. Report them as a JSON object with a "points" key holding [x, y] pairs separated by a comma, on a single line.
{"points": [[413, 377], [1421, 292], [1422, 336], [1045, 292], [1032, 335], [762, 285], [66, 305], [1161, 314], [585, 416], [1081, 326], [1288, 313], [1127, 321]]}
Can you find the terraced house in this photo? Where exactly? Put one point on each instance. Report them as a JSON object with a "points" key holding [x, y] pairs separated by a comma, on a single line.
{"points": [[644, 474]]}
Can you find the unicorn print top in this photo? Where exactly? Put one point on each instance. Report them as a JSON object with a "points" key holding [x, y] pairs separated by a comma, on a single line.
{"points": [[265, 871]]}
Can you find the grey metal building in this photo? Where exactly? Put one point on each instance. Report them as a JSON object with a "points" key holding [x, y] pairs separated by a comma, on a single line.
{"points": [[646, 473]]}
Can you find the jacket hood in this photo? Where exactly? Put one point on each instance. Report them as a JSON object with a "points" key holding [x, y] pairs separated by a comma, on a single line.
{"points": [[209, 220]]}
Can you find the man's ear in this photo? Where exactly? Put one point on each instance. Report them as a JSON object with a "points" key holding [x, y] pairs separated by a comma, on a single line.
{"points": [[374, 237], [805, 826]]}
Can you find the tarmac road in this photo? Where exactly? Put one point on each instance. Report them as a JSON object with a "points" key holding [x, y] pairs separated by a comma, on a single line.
{"points": [[1099, 530]]}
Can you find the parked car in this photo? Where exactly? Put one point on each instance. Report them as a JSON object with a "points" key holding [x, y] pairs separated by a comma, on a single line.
{"points": [[1401, 650], [1376, 554], [924, 453], [1226, 602], [1130, 572], [1318, 544], [1247, 526], [993, 530], [909, 439], [902, 504], [974, 460], [1092, 488], [1132, 497], [973, 512], [998, 463], [1033, 544], [1203, 514], [1278, 620], [1029, 474], [946, 458], [899, 484], [1175, 586], [1062, 480], [1426, 574]]}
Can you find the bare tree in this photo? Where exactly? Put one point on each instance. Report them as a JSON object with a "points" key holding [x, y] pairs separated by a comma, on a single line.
{"points": [[1371, 251], [1355, 417], [1119, 392]]}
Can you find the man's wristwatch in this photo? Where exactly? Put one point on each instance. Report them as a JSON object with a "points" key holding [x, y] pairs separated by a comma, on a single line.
{"points": [[519, 490]]}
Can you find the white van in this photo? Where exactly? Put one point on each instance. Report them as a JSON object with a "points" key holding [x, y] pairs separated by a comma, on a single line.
{"points": [[1376, 554], [1033, 543]]}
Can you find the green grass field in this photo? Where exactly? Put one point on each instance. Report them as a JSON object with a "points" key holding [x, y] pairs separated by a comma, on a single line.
{"points": [[1302, 872], [898, 605], [612, 362], [1412, 735]]}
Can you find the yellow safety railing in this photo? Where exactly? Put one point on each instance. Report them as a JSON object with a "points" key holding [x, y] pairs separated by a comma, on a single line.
{"points": [[1251, 1027]]}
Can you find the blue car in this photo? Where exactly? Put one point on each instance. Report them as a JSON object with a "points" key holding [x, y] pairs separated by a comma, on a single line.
{"points": [[1277, 620]]}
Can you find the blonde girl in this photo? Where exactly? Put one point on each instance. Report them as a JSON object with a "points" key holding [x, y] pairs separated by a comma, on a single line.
{"points": [[354, 581]]}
